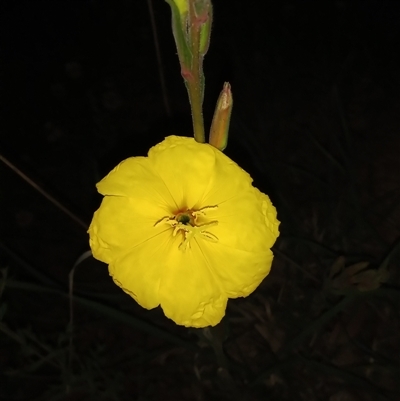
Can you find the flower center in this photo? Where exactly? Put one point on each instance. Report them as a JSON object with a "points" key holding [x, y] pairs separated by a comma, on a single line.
{"points": [[183, 218], [188, 224]]}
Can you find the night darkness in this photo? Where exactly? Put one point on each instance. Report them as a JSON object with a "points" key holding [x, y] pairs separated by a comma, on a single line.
{"points": [[316, 124]]}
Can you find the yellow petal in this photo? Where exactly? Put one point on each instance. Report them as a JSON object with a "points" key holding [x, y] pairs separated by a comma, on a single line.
{"points": [[136, 178], [246, 217], [100, 249], [269, 212], [225, 181], [139, 271], [122, 223], [239, 272], [242, 223], [190, 294], [185, 166]]}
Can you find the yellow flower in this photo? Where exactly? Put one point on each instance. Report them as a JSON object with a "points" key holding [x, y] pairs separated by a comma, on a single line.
{"points": [[185, 229]]}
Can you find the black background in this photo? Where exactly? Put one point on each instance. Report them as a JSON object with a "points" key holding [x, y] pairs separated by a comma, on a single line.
{"points": [[315, 122]]}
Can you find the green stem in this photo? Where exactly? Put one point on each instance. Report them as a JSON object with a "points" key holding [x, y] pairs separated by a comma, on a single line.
{"points": [[194, 79]]}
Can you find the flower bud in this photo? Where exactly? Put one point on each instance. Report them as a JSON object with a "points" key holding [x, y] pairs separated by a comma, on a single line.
{"points": [[220, 124]]}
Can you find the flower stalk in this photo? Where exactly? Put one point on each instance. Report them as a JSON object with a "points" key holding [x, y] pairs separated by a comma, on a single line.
{"points": [[191, 26]]}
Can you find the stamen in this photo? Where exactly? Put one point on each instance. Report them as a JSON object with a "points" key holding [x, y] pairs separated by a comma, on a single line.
{"points": [[192, 231], [202, 211], [165, 219]]}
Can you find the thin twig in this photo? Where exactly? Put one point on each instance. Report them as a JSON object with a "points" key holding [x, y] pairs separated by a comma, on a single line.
{"points": [[43, 192]]}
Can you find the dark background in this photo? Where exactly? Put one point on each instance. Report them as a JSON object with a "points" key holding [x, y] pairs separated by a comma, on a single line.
{"points": [[315, 122]]}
